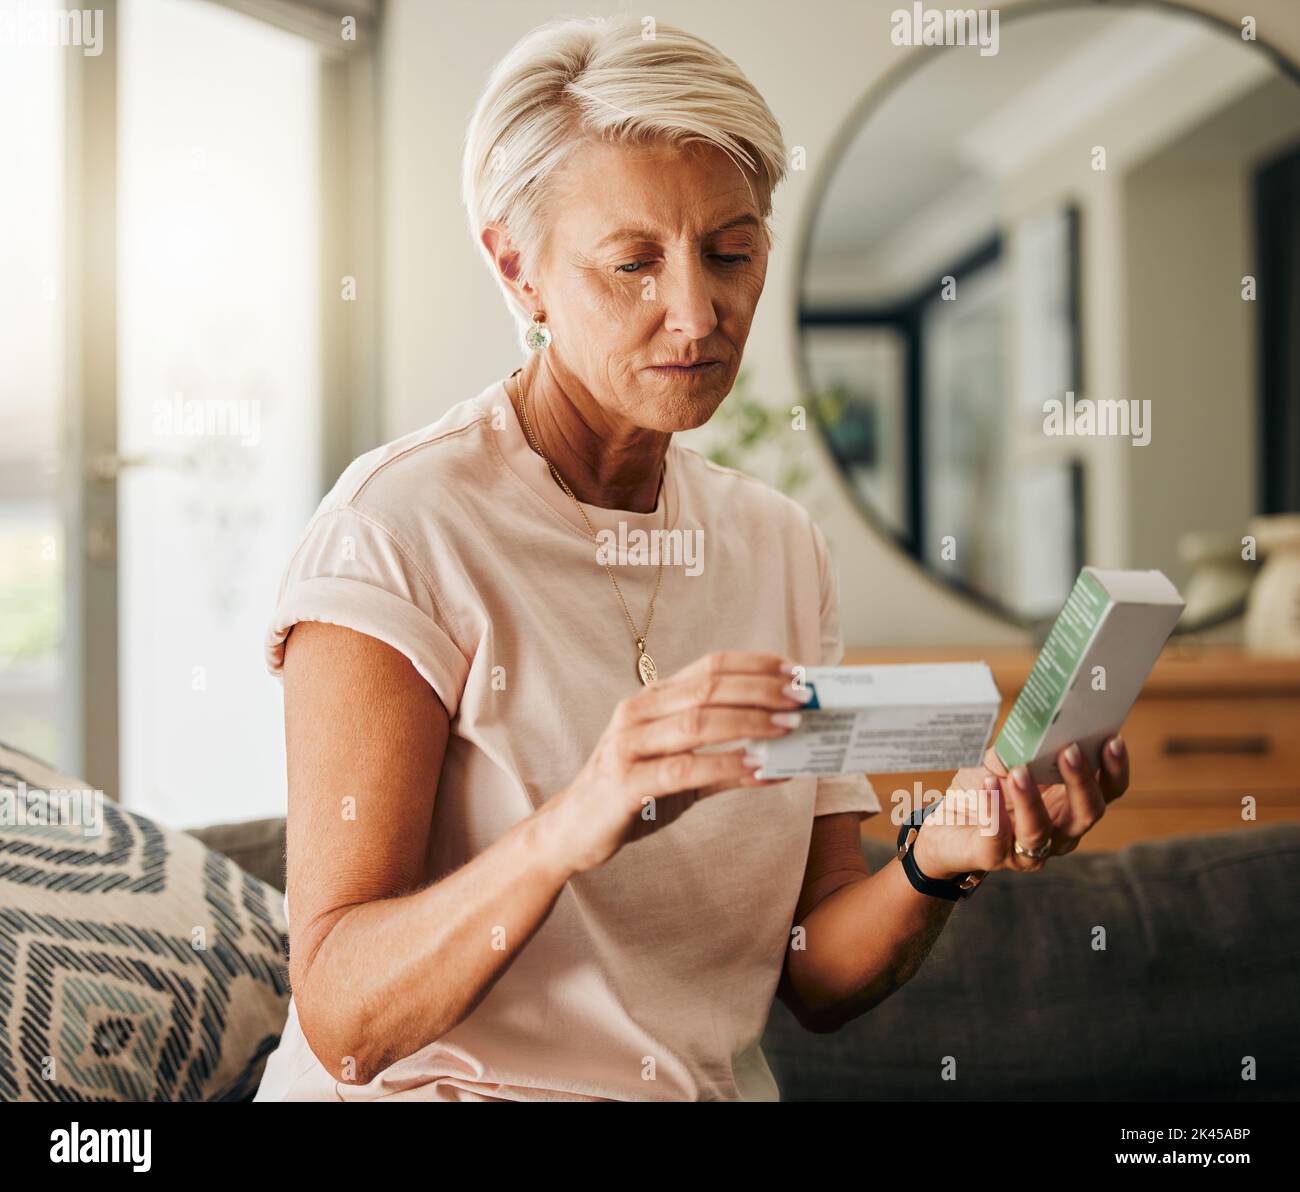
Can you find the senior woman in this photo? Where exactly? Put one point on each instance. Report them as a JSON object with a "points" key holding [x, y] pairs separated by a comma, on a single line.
{"points": [[523, 861]]}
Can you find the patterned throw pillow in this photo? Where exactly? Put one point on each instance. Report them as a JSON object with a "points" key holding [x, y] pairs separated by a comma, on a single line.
{"points": [[135, 964]]}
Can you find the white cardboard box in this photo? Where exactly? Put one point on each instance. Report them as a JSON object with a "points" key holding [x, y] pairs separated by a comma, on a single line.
{"points": [[1087, 676], [887, 719]]}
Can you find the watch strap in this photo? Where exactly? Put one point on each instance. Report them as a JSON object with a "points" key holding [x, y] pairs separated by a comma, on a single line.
{"points": [[946, 888]]}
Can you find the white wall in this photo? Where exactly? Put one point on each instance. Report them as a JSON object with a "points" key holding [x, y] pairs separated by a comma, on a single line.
{"points": [[447, 333]]}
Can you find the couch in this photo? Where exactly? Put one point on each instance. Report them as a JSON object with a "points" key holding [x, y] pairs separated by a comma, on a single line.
{"points": [[139, 962], [1154, 973]]}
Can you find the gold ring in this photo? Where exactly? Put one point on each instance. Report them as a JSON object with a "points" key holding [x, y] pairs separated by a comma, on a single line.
{"points": [[1041, 853]]}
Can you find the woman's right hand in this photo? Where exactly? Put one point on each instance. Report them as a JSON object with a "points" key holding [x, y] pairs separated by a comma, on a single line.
{"points": [[643, 773]]}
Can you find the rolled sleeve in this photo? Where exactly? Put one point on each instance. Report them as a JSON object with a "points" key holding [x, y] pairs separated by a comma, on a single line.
{"points": [[350, 571], [840, 792], [846, 792]]}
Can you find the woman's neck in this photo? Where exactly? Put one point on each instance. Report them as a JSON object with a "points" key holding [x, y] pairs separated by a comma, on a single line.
{"points": [[606, 460]]}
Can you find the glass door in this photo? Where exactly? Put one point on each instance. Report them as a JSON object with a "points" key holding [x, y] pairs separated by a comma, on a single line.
{"points": [[218, 463]]}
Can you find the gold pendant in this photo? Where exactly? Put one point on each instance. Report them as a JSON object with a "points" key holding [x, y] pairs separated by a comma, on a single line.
{"points": [[645, 666]]}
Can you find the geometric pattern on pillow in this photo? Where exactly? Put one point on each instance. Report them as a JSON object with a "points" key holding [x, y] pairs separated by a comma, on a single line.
{"points": [[104, 995]]}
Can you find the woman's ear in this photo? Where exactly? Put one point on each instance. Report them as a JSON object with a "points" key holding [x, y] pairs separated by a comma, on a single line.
{"points": [[508, 261]]}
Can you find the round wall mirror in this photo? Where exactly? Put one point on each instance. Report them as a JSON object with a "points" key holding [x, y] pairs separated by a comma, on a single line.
{"points": [[1049, 299]]}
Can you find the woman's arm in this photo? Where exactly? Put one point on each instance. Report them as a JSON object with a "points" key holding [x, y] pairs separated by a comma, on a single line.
{"points": [[365, 737], [864, 935], [382, 963]]}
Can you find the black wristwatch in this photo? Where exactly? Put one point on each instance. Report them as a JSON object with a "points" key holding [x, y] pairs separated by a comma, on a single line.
{"points": [[936, 887]]}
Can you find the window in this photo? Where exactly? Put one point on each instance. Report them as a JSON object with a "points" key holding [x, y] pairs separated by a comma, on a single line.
{"points": [[185, 201], [32, 549]]}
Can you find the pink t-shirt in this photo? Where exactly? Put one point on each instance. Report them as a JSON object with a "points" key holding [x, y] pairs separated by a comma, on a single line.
{"points": [[654, 974]]}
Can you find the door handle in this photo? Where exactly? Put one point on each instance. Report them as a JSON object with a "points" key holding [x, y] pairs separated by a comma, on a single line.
{"points": [[107, 467]]}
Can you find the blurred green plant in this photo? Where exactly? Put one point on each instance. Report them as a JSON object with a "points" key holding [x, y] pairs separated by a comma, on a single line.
{"points": [[748, 427]]}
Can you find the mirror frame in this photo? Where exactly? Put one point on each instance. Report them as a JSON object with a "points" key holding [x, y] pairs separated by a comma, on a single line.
{"points": [[822, 177]]}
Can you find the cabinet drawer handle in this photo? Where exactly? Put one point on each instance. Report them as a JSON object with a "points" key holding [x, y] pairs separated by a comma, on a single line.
{"points": [[1184, 745]]}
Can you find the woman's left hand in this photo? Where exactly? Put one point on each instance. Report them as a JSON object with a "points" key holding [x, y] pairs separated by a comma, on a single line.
{"points": [[1003, 810]]}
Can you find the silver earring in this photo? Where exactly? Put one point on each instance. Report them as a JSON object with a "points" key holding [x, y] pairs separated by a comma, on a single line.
{"points": [[538, 336]]}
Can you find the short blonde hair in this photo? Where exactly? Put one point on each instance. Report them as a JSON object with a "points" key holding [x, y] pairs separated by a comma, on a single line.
{"points": [[616, 80]]}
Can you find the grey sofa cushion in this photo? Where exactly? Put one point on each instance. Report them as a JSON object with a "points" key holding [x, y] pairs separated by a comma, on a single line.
{"points": [[256, 846], [1201, 970]]}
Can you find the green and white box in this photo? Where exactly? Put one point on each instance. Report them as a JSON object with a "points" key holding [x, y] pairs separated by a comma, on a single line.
{"points": [[887, 719], [1102, 646]]}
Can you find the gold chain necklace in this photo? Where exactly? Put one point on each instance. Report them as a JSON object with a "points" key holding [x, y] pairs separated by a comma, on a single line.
{"points": [[645, 665]]}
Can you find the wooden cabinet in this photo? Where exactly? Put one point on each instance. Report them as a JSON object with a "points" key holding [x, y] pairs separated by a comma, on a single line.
{"points": [[1214, 735]]}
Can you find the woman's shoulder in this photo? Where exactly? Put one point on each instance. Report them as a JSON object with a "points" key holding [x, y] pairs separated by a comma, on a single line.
{"points": [[428, 467], [743, 496]]}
